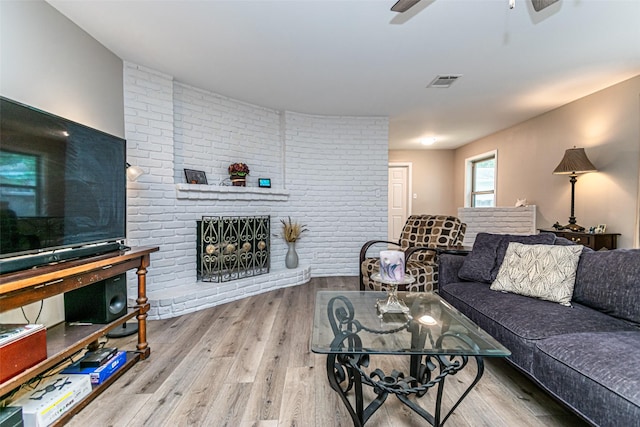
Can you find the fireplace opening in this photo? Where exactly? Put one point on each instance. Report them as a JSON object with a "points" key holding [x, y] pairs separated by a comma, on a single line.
{"points": [[231, 248]]}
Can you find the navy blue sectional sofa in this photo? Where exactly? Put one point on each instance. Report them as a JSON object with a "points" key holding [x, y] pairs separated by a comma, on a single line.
{"points": [[586, 355]]}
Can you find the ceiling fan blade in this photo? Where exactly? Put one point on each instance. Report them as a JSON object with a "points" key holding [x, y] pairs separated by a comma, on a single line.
{"points": [[404, 5], [538, 5]]}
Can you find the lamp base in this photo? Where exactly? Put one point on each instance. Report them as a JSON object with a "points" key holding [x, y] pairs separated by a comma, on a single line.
{"points": [[124, 330], [571, 227]]}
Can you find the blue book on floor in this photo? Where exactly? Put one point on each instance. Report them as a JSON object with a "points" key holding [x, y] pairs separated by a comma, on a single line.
{"points": [[100, 374]]}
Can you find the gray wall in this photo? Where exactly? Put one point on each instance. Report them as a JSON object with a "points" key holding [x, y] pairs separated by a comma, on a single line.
{"points": [[607, 125], [432, 181], [50, 63]]}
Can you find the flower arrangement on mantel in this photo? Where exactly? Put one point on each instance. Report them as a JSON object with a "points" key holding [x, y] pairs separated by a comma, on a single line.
{"points": [[240, 169], [238, 173], [291, 231]]}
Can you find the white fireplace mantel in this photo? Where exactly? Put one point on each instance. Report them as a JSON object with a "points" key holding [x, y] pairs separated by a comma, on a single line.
{"points": [[220, 192]]}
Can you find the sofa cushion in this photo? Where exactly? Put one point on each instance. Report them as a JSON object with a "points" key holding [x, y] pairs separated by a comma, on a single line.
{"points": [[543, 271], [608, 281], [448, 267], [518, 322], [595, 371], [485, 259]]}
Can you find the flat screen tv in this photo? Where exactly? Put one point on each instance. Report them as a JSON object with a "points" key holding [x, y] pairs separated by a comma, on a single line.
{"points": [[62, 188]]}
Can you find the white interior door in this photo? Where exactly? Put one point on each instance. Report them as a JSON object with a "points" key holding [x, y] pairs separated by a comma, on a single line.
{"points": [[399, 200]]}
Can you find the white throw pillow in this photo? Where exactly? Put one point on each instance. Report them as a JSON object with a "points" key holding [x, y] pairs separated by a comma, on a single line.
{"points": [[547, 272]]}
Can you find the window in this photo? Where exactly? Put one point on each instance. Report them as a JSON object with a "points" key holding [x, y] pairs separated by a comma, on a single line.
{"points": [[481, 180], [18, 182]]}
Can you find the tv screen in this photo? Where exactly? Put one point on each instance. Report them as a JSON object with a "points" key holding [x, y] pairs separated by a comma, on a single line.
{"points": [[62, 184]]}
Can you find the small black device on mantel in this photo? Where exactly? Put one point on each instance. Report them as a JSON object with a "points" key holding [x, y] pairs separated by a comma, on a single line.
{"points": [[264, 182], [62, 188]]}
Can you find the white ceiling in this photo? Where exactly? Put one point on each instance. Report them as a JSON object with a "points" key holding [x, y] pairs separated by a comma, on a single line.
{"points": [[359, 58]]}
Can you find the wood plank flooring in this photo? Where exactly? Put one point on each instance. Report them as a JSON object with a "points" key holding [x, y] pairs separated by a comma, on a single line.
{"points": [[247, 363]]}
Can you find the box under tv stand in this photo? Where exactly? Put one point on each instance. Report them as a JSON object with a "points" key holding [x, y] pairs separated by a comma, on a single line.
{"points": [[28, 286]]}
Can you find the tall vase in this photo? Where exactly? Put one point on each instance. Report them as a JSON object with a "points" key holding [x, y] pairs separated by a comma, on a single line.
{"points": [[291, 260]]}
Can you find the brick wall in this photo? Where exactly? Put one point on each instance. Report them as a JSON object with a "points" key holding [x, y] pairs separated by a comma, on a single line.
{"points": [[505, 220], [327, 172], [336, 170]]}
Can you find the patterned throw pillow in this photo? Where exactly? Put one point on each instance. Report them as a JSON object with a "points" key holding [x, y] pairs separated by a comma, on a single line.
{"points": [[547, 272]]}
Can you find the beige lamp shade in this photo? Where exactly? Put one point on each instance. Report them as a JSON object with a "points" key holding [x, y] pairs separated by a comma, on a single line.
{"points": [[574, 161]]}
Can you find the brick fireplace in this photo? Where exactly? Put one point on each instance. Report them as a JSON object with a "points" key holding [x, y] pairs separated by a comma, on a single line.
{"points": [[171, 126]]}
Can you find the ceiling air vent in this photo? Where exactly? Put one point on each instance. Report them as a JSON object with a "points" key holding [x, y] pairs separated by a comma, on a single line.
{"points": [[444, 81]]}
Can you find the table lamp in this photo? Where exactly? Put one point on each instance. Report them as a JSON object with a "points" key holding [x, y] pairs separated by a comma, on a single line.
{"points": [[575, 161]]}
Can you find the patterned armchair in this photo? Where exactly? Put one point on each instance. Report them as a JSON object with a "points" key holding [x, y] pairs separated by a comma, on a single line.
{"points": [[421, 235]]}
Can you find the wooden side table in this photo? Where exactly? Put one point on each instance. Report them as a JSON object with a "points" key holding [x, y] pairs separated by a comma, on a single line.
{"points": [[595, 241]]}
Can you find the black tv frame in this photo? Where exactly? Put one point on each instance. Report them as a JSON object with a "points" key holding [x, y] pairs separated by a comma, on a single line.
{"points": [[23, 260]]}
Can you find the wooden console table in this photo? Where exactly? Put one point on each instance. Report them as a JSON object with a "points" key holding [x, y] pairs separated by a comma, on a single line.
{"points": [[595, 241], [63, 340]]}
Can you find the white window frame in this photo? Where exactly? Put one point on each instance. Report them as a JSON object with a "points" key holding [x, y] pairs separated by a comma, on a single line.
{"points": [[468, 181]]}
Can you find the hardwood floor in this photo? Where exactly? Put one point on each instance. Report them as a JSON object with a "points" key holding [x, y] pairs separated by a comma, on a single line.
{"points": [[247, 363]]}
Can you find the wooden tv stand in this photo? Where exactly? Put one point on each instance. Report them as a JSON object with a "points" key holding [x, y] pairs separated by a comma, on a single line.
{"points": [[63, 340]]}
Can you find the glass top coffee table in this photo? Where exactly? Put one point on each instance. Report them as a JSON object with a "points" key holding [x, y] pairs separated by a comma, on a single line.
{"points": [[438, 340]]}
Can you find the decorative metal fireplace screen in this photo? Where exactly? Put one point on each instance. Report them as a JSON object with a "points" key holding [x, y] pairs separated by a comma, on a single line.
{"points": [[231, 248]]}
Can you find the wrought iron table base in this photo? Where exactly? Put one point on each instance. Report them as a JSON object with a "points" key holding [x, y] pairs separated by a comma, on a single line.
{"points": [[345, 374], [345, 367]]}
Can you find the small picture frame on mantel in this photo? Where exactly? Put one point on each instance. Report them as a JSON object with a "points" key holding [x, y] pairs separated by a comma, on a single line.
{"points": [[195, 177]]}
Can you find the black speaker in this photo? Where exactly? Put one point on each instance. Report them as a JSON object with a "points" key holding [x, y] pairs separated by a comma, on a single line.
{"points": [[101, 302]]}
